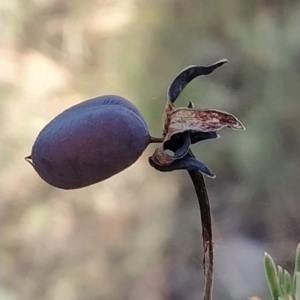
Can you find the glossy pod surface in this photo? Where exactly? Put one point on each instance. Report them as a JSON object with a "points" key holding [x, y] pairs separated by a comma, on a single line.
{"points": [[90, 142]]}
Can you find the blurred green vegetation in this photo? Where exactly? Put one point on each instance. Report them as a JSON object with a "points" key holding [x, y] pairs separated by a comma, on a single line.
{"points": [[281, 284], [137, 235]]}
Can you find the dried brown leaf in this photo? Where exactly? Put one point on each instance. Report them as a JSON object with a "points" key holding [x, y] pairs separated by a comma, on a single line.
{"points": [[188, 119]]}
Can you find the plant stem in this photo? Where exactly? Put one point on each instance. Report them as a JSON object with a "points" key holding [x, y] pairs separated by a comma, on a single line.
{"points": [[156, 140], [208, 258]]}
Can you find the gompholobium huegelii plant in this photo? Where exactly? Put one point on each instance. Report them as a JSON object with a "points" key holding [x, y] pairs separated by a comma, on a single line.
{"points": [[98, 138]]}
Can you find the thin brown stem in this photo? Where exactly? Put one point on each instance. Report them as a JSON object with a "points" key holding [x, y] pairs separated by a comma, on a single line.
{"points": [[156, 140], [208, 258]]}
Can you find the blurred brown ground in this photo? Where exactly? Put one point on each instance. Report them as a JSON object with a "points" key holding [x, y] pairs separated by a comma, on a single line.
{"points": [[137, 235]]}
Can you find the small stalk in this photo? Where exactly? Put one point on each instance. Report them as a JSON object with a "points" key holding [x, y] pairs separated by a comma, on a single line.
{"points": [[156, 140]]}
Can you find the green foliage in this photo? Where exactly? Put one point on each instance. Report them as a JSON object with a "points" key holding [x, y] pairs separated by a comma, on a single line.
{"points": [[281, 285]]}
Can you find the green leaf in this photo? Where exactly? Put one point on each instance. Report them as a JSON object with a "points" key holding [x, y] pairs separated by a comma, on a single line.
{"points": [[287, 283], [297, 261], [297, 269], [280, 276], [297, 285], [272, 277]]}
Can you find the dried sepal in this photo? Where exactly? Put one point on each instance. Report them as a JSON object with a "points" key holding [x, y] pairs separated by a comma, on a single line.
{"points": [[187, 163], [187, 75], [188, 119]]}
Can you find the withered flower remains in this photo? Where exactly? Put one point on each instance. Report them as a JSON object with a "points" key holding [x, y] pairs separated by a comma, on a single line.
{"points": [[184, 126]]}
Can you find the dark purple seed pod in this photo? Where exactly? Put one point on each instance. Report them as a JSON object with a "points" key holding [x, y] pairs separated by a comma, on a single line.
{"points": [[90, 142]]}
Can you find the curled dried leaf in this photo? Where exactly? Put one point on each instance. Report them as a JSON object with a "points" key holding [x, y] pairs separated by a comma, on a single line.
{"points": [[187, 75], [188, 119]]}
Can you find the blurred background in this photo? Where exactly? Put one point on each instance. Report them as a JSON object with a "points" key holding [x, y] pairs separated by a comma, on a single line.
{"points": [[138, 235]]}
